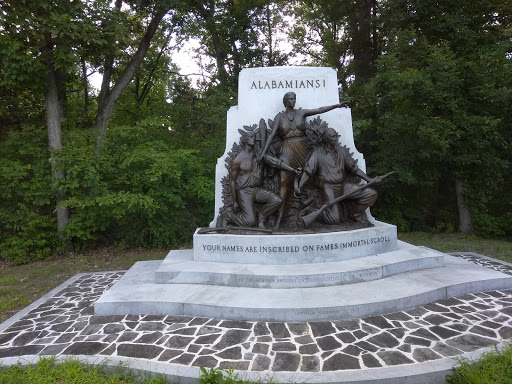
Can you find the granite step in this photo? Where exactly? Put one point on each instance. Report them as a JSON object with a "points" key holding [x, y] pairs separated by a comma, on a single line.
{"points": [[137, 293], [179, 267]]}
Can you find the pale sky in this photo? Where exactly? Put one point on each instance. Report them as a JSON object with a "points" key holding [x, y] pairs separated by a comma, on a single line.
{"points": [[186, 60]]}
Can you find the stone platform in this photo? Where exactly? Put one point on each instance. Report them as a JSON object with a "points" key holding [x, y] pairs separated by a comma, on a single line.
{"points": [[418, 345], [179, 267], [406, 278]]}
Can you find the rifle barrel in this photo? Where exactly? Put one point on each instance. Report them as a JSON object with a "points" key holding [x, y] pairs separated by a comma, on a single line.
{"points": [[310, 218]]}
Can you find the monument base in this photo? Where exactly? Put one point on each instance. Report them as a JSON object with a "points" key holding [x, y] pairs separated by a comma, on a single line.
{"points": [[179, 267], [400, 285], [295, 248]]}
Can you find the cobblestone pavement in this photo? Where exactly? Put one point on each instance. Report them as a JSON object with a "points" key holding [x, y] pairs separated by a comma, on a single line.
{"points": [[65, 324]]}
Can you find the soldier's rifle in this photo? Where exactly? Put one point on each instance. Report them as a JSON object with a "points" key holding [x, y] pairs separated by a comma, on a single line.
{"points": [[230, 228], [308, 219]]}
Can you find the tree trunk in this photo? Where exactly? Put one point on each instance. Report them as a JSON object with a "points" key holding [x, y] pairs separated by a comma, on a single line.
{"points": [[107, 97], [268, 20], [220, 55], [362, 44], [205, 10], [85, 85], [147, 86], [53, 123], [465, 222]]}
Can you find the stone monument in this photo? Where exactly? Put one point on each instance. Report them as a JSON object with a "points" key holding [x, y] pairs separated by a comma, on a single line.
{"points": [[262, 93], [292, 237], [290, 137]]}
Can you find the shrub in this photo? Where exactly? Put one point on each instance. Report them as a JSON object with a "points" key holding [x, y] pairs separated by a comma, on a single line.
{"points": [[28, 229], [493, 367], [142, 192]]}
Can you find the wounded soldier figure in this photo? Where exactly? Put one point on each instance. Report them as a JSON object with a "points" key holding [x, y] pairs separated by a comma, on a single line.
{"points": [[329, 165]]}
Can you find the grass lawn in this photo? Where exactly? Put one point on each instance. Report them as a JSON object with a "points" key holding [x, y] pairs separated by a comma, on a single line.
{"points": [[71, 371], [454, 242], [23, 284], [493, 367]]}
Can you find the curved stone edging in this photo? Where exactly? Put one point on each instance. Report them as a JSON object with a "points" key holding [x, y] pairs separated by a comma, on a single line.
{"points": [[424, 373]]}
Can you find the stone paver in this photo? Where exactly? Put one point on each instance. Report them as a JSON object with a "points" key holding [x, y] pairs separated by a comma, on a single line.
{"points": [[66, 325]]}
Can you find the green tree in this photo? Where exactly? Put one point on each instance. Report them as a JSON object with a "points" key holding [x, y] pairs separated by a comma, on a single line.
{"points": [[27, 222], [44, 43], [234, 35], [109, 94], [271, 25], [441, 102], [340, 34], [37, 50], [144, 191]]}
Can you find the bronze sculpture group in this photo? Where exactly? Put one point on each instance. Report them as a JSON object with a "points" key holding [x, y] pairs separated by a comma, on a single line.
{"points": [[280, 177]]}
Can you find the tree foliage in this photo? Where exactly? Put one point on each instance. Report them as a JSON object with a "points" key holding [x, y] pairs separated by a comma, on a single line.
{"points": [[441, 101], [27, 223], [144, 191], [133, 162], [340, 34]]}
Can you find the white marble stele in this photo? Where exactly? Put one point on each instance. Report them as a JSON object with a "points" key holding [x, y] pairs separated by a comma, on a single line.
{"points": [[260, 95], [293, 277]]}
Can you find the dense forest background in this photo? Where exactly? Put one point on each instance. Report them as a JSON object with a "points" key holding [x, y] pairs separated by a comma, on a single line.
{"points": [[131, 162]]}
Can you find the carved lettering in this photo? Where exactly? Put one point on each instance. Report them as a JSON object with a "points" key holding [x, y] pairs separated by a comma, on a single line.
{"points": [[209, 247], [304, 249], [306, 313], [290, 83], [333, 279], [232, 248]]}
